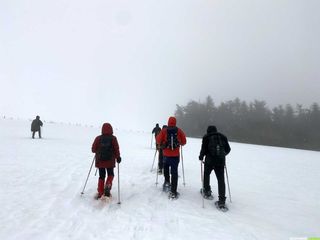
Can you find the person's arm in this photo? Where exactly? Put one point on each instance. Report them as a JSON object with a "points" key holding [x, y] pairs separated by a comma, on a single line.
{"points": [[95, 145], [227, 148], [203, 151], [182, 137]]}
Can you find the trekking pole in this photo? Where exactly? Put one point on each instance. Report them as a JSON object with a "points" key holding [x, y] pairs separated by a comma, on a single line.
{"points": [[96, 172], [88, 175], [202, 182], [184, 182], [225, 166], [154, 158], [151, 140], [119, 202]]}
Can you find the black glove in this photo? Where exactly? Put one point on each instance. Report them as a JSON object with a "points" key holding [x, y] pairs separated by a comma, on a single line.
{"points": [[119, 160], [200, 157]]}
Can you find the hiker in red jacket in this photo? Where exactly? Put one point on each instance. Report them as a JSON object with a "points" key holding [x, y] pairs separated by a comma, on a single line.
{"points": [[170, 139], [106, 149]]}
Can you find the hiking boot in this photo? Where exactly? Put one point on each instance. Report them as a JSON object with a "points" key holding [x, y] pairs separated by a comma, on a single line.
{"points": [[207, 194], [107, 191], [222, 202], [160, 171], [173, 195]]}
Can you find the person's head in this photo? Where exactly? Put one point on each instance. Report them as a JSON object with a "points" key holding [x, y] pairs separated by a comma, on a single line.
{"points": [[107, 129], [172, 121], [157, 125], [164, 126], [37, 117], [212, 129]]}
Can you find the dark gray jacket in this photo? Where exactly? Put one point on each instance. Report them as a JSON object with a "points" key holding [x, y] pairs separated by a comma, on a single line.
{"points": [[212, 130]]}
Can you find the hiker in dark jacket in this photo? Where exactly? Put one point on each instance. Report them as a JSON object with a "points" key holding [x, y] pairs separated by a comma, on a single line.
{"points": [[160, 159], [156, 130], [215, 147], [36, 126], [106, 149]]}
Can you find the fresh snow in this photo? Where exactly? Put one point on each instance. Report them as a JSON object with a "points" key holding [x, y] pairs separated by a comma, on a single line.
{"points": [[275, 191]]}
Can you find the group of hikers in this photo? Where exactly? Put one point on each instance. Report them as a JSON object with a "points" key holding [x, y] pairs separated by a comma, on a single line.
{"points": [[169, 139]]}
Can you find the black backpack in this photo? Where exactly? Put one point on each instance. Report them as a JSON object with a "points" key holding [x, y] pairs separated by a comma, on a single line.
{"points": [[216, 146], [172, 138], [106, 150]]}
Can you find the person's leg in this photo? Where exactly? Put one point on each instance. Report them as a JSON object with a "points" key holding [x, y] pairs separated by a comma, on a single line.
{"points": [[102, 176], [39, 132], [109, 180], [160, 161], [166, 170], [219, 171], [174, 163], [110, 177], [33, 132], [206, 177]]}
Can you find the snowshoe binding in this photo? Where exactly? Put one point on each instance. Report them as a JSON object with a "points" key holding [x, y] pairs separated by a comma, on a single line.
{"points": [[221, 206], [107, 191], [173, 195], [166, 187], [206, 194], [98, 196]]}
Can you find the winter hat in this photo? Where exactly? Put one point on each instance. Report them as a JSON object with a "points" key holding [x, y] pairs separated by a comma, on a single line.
{"points": [[211, 129], [172, 121]]}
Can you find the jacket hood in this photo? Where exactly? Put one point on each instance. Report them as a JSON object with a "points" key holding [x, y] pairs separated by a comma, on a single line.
{"points": [[107, 129], [211, 129], [172, 121]]}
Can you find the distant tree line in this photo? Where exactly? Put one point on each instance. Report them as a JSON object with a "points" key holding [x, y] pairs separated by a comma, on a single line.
{"points": [[254, 122]]}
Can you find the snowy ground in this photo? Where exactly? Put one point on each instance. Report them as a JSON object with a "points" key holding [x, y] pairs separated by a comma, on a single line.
{"points": [[275, 191]]}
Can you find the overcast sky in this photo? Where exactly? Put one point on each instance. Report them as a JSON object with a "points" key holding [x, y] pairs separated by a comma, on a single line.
{"points": [[130, 62]]}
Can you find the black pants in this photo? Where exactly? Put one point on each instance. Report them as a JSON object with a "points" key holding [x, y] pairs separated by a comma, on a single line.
{"points": [[33, 133], [171, 163], [160, 160], [219, 171], [102, 172]]}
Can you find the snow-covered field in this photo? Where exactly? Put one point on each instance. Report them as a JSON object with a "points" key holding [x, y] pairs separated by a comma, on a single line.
{"points": [[275, 191]]}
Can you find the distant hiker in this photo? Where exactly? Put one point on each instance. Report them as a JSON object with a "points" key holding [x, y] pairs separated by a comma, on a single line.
{"points": [[156, 130], [106, 149], [170, 139], [215, 147], [36, 126], [160, 159]]}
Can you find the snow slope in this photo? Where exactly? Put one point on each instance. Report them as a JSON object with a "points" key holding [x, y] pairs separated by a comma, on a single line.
{"points": [[275, 191]]}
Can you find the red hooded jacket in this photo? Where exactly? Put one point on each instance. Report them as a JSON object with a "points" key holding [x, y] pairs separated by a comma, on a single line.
{"points": [[162, 138], [110, 163]]}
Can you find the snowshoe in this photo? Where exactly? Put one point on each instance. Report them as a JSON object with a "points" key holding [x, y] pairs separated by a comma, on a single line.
{"points": [[206, 194], [221, 206], [97, 196], [173, 195]]}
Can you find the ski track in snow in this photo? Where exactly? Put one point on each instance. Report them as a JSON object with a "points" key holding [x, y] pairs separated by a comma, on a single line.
{"points": [[275, 191]]}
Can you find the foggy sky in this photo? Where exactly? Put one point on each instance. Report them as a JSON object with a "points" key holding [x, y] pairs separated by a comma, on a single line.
{"points": [[130, 62]]}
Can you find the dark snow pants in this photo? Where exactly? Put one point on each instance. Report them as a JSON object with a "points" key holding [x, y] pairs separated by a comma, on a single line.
{"points": [[171, 163], [102, 172], [160, 160], [219, 171], [33, 133]]}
